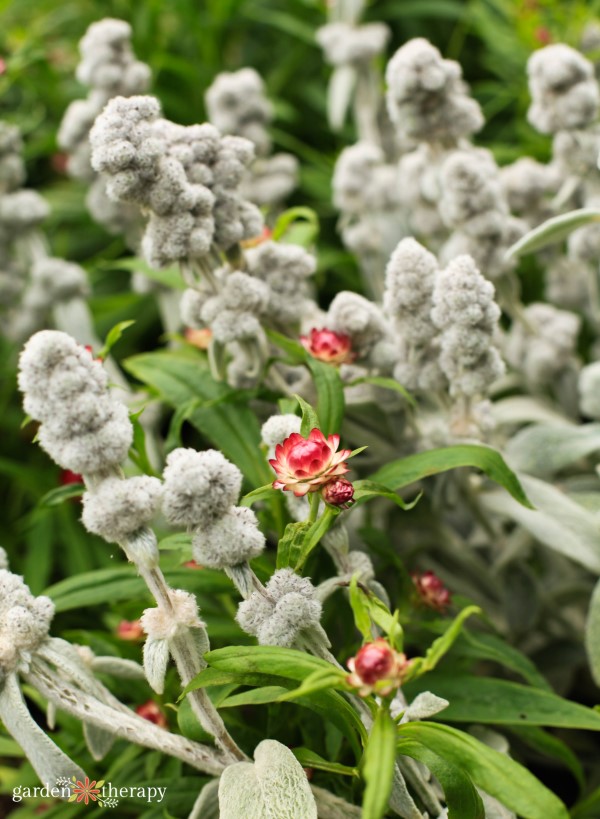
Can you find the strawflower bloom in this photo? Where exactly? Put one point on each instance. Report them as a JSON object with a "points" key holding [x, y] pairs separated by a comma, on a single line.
{"points": [[377, 668], [339, 493], [305, 465], [325, 345], [130, 630], [150, 711], [431, 591]]}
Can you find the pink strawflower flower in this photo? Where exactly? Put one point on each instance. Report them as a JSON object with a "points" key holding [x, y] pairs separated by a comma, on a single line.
{"points": [[305, 465], [325, 345], [150, 711], [199, 338], [431, 591], [378, 668], [130, 630], [339, 492]]}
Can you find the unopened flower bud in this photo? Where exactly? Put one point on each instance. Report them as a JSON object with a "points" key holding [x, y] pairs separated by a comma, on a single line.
{"points": [[328, 346], [150, 711], [431, 591], [377, 667], [338, 493], [130, 630]]}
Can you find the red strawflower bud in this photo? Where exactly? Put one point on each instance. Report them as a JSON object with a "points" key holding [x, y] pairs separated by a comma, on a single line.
{"points": [[150, 711], [339, 492], [199, 338], [67, 477], [333, 348], [543, 35], [130, 630], [377, 667], [191, 564], [431, 591]]}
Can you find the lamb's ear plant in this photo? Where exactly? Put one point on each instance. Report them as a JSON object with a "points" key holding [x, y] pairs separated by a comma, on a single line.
{"points": [[363, 533]]}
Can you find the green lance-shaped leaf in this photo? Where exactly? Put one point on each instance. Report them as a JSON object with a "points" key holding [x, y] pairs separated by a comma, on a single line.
{"points": [[462, 799], [493, 772], [114, 334], [405, 471], [552, 231], [275, 786], [298, 226], [47, 760], [441, 646], [500, 702], [309, 759], [330, 395], [592, 634], [378, 765]]}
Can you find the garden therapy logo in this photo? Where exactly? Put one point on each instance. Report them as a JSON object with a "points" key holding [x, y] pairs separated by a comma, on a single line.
{"points": [[89, 792], [86, 791]]}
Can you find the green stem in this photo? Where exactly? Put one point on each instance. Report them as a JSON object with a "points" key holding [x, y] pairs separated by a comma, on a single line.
{"points": [[315, 499]]}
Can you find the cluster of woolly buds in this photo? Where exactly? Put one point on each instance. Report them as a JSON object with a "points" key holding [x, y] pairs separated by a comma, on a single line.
{"points": [[278, 614], [200, 491], [118, 509], [409, 283], [362, 181], [21, 212], [24, 622], [361, 321], [543, 345], [589, 390], [527, 186], [472, 205], [12, 167], [285, 268], [233, 314], [567, 283], [427, 99], [271, 179], [345, 44], [277, 428], [467, 316], [563, 89], [163, 623], [82, 427], [54, 280], [236, 104], [108, 68]]}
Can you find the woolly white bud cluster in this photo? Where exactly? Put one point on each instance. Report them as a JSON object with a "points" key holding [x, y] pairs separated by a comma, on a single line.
{"points": [[24, 622], [271, 179], [117, 509], [82, 428], [563, 88], [187, 178], [277, 428], [236, 104], [589, 390], [200, 491], [427, 98], [544, 344], [472, 205], [285, 608], [467, 315], [409, 283], [233, 314], [12, 167], [527, 184], [20, 212], [285, 268], [162, 623], [362, 320], [109, 68], [54, 280], [345, 44]]}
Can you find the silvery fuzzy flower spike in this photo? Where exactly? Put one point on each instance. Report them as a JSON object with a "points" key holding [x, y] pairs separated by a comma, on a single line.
{"points": [[12, 166], [236, 104]]}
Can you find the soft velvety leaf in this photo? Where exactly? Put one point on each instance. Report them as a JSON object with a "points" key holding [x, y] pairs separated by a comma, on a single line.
{"points": [[339, 94], [180, 377], [553, 230], [408, 470], [493, 772], [557, 521], [500, 702], [544, 449], [378, 765], [462, 799], [592, 634], [309, 759], [523, 409]]}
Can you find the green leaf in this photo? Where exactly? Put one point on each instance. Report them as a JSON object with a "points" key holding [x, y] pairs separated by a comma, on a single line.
{"points": [[262, 493], [360, 610], [189, 725], [378, 765], [592, 634], [114, 334], [290, 346], [441, 646], [545, 449], [493, 772], [309, 759], [179, 541], [500, 702], [552, 231], [546, 743], [310, 419], [316, 532], [367, 490], [62, 493], [256, 696], [462, 799], [138, 453], [405, 471], [180, 377], [289, 548], [330, 395], [317, 681], [283, 662], [386, 384], [285, 229]]}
